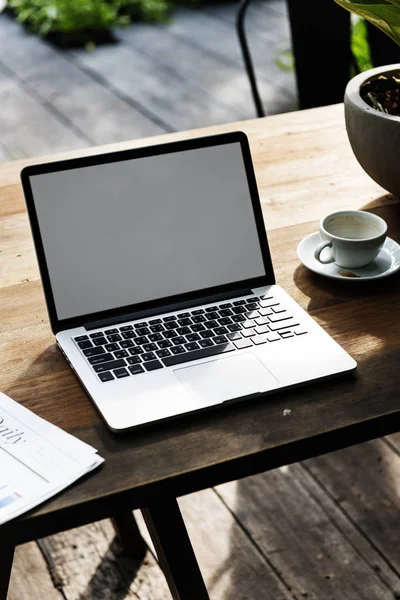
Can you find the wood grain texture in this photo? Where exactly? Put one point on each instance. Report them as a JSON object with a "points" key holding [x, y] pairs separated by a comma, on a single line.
{"points": [[299, 539], [304, 168]]}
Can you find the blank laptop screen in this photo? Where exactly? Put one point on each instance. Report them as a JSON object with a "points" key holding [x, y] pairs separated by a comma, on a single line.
{"points": [[128, 232]]}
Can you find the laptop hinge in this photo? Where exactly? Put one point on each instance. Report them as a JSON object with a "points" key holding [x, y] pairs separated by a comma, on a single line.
{"points": [[165, 308]]}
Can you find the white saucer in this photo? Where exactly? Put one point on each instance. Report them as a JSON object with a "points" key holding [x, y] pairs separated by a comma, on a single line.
{"points": [[386, 263]]}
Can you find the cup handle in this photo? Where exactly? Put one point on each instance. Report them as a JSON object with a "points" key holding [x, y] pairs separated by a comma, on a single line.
{"points": [[319, 249]]}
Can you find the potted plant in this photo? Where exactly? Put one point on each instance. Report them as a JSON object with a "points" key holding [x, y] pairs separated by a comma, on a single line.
{"points": [[372, 101]]}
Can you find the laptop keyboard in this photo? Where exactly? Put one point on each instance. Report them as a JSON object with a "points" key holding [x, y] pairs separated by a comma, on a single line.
{"points": [[157, 343]]}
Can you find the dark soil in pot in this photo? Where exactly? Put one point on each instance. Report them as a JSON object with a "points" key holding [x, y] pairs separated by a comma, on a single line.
{"points": [[383, 93]]}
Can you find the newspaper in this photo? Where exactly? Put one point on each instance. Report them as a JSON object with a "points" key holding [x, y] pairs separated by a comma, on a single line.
{"points": [[37, 459]]}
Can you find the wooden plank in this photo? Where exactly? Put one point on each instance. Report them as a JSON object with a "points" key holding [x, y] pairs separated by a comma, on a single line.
{"points": [[394, 440], [364, 485], [230, 562], [89, 563], [350, 529], [30, 578], [169, 99], [219, 38], [39, 132], [87, 105], [224, 83], [300, 540]]}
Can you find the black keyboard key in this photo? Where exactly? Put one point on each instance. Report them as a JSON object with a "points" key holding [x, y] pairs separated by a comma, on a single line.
{"points": [[192, 337], [212, 315], [121, 354], [207, 334], [192, 346], [169, 334], [169, 319], [113, 364], [252, 306], [163, 353], [152, 365], [225, 321], [198, 311], [177, 341], [226, 312], [155, 322], [157, 328], [196, 354], [239, 309], [127, 335], [107, 376], [226, 305], [150, 347], [184, 315], [120, 373], [94, 351], [171, 325], [183, 322], [239, 303], [183, 330], [148, 356], [235, 327], [234, 336], [238, 318], [211, 309], [177, 350], [143, 331], [261, 320], [219, 339], [85, 345], [140, 325], [113, 347], [206, 343], [165, 344], [199, 319], [114, 338], [248, 324], [133, 360], [126, 344], [136, 369], [211, 324], [111, 331], [141, 340], [136, 350], [126, 328], [220, 330], [248, 332], [97, 334], [100, 341], [243, 343], [81, 338], [101, 358], [155, 337], [198, 327]]}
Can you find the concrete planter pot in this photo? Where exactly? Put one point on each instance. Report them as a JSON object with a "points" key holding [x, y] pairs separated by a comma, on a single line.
{"points": [[374, 136]]}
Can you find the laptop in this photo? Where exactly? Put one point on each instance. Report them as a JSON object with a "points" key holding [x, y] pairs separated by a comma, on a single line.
{"points": [[159, 283]]}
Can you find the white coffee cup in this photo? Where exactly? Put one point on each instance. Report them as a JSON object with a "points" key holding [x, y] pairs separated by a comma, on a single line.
{"points": [[355, 238]]}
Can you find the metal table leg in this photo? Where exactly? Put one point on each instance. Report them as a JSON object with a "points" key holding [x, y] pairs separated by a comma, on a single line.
{"points": [[128, 532], [6, 561], [175, 553]]}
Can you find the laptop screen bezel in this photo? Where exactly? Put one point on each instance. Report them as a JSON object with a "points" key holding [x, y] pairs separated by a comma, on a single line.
{"points": [[122, 155]]}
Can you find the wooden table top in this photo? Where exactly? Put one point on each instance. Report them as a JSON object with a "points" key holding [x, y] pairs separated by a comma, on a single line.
{"points": [[305, 168]]}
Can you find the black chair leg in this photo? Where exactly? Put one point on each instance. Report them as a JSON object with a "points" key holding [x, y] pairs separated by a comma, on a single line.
{"points": [[248, 62]]}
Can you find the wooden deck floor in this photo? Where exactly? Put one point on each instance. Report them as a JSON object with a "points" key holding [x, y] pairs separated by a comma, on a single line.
{"points": [[326, 529]]}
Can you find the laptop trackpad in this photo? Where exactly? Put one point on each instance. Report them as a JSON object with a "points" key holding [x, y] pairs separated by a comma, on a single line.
{"points": [[226, 378]]}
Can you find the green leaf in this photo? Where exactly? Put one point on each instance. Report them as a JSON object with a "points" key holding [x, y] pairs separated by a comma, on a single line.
{"points": [[384, 15]]}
